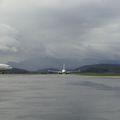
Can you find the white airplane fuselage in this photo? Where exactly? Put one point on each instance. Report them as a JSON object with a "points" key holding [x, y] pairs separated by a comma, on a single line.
{"points": [[62, 71], [4, 67]]}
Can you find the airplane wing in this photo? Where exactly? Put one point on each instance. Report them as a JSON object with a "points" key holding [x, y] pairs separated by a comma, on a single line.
{"points": [[54, 71]]}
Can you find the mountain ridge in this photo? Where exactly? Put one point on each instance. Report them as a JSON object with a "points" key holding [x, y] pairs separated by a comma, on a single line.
{"points": [[94, 68]]}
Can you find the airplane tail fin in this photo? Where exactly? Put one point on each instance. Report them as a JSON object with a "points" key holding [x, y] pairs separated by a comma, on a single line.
{"points": [[63, 66]]}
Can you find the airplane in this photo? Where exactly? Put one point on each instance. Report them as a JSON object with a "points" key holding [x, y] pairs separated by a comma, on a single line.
{"points": [[63, 71], [4, 67]]}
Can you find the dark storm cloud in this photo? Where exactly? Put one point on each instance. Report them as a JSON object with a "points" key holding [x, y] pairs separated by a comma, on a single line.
{"points": [[86, 30]]}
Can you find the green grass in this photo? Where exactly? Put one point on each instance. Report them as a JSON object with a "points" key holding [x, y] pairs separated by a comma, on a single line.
{"points": [[100, 74]]}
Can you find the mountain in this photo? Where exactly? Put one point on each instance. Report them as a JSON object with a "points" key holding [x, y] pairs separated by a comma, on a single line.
{"points": [[45, 62], [46, 70], [95, 68], [17, 71], [100, 68]]}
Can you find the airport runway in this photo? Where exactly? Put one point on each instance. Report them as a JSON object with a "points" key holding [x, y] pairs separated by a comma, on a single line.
{"points": [[59, 97]]}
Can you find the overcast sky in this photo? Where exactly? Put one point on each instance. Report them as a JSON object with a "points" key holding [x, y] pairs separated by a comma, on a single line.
{"points": [[80, 29]]}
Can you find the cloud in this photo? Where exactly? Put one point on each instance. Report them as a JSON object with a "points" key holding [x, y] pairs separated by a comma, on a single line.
{"points": [[8, 36], [85, 30]]}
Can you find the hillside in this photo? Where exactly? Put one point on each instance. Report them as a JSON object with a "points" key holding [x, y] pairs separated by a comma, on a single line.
{"points": [[46, 70], [17, 71], [100, 68]]}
